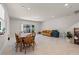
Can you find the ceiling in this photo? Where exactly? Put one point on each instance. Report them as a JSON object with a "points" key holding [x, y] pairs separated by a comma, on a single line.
{"points": [[40, 11]]}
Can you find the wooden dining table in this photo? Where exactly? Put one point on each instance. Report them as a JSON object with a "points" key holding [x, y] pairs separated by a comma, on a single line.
{"points": [[24, 34], [22, 37]]}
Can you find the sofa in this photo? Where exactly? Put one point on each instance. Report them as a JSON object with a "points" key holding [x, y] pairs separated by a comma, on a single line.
{"points": [[46, 32], [50, 33], [55, 33]]}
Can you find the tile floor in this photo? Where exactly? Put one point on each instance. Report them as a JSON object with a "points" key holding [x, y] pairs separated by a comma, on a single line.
{"points": [[44, 46]]}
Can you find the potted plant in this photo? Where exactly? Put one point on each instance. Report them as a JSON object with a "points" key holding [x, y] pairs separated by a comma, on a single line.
{"points": [[33, 28], [69, 35]]}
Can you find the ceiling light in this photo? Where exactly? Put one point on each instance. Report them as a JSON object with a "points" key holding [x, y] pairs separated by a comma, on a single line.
{"points": [[66, 4], [28, 8]]}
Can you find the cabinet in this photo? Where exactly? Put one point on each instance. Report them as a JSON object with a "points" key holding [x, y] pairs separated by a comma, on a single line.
{"points": [[76, 35]]}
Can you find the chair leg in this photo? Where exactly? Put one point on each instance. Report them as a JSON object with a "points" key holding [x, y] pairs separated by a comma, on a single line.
{"points": [[25, 49], [16, 47], [26, 46], [33, 46], [21, 47]]}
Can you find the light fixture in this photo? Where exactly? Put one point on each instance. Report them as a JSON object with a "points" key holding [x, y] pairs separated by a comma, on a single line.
{"points": [[28, 8], [66, 4]]}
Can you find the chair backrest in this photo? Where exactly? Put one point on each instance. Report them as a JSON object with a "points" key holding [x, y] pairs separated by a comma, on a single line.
{"points": [[17, 38], [28, 39], [33, 35]]}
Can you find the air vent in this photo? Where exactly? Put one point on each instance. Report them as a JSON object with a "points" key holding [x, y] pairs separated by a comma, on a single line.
{"points": [[76, 12]]}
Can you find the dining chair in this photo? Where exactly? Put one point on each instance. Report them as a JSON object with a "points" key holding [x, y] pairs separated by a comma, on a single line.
{"points": [[33, 35], [28, 42], [18, 42]]}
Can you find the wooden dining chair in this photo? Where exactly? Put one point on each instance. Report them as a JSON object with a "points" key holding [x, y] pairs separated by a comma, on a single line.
{"points": [[28, 42], [33, 35], [18, 42]]}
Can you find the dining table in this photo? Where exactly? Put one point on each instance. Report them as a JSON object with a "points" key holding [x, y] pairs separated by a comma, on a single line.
{"points": [[22, 37], [24, 34]]}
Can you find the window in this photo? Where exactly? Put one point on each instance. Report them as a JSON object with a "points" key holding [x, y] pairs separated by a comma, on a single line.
{"points": [[2, 23], [26, 28]]}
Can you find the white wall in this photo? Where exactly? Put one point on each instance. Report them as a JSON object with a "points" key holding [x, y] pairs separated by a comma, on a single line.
{"points": [[71, 29], [62, 24], [3, 38], [15, 25]]}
